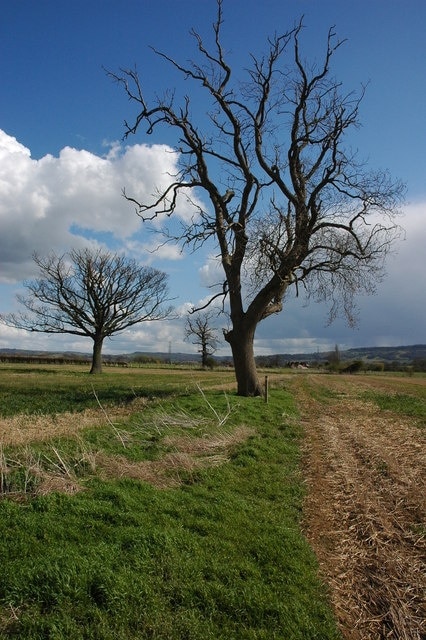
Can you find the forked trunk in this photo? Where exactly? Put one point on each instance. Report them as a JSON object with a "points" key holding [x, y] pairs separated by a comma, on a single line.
{"points": [[97, 356], [244, 363]]}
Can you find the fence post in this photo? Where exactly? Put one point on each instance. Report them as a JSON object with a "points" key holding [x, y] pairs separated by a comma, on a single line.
{"points": [[266, 389]]}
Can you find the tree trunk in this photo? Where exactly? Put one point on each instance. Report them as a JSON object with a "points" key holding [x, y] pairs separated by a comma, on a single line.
{"points": [[204, 356], [241, 342], [97, 355]]}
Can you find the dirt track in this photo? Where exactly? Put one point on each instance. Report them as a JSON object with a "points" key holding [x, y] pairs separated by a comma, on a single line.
{"points": [[365, 510]]}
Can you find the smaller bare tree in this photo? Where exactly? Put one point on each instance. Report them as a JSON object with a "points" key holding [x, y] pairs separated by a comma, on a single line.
{"points": [[199, 331], [94, 294]]}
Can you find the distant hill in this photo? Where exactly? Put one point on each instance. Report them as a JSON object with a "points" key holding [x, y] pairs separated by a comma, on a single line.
{"points": [[388, 354], [401, 355]]}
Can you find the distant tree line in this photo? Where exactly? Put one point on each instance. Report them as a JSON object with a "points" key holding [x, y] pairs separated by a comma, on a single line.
{"points": [[270, 362], [53, 359], [343, 366], [15, 359]]}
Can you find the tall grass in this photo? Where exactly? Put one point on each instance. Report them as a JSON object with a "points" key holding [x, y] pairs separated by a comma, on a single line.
{"points": [[217, 555]]}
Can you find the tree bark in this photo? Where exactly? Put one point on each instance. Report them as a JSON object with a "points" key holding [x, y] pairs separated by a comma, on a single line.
{"points": [[244, 363], [204, 356], [97, 355]]}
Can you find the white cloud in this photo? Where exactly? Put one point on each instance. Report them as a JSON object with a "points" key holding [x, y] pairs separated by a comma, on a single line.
{"points": [[183, 309], [211, 273], [57, 203], [306, 344], [161, 251], [47, 204], [148, 336]]}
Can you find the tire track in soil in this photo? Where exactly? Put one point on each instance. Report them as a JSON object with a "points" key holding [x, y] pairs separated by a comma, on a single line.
{"points": [[365, 508]]}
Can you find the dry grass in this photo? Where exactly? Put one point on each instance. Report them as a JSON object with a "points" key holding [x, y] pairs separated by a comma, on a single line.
{"points": [[55, 482], [35, 477], [365, 511], [188, 455], [51, 471], [23, 429]]}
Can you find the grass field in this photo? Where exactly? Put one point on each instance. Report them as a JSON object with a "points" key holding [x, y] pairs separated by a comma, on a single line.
{"points": [[154, 503], [161, 508]]}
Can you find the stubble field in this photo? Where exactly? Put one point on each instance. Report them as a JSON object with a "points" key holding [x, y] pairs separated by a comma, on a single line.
{"points": [[365, 509]]}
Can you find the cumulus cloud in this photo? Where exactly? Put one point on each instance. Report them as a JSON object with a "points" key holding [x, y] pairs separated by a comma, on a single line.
{"points": [[56, 203], [75, 199], [211, 273]]}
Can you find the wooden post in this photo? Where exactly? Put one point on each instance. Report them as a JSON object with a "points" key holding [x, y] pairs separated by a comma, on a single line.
{"points": [[266, 389]]}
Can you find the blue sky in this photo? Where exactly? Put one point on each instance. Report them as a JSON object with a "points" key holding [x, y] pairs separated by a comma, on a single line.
{"points": [[62, 165]]}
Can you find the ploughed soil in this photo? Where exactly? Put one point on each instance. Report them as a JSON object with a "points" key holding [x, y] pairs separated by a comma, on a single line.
{"points": [[365, 510]]}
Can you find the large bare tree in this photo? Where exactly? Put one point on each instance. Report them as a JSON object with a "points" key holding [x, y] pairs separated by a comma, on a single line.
{"points": [[288, 204], [94, 294]]}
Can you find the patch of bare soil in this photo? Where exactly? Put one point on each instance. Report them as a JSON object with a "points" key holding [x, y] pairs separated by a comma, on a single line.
{"points": [[365, 508]]}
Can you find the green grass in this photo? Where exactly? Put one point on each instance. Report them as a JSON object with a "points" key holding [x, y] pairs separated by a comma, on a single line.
{"points": [[409, 405], [50, 389], [221, 556], [320, 392]]}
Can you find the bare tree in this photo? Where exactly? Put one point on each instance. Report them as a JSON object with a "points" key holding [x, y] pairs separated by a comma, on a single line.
{"points": [[199, 331], [94, 294], [288, 204]]}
